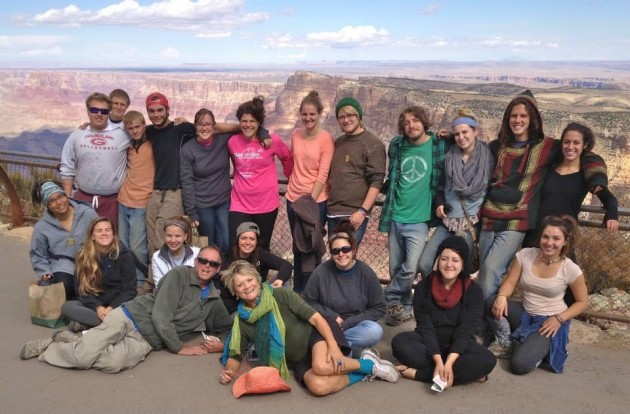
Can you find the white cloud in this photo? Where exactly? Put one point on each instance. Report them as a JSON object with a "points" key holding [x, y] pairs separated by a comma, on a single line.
{"points": [[497, 42], [214, 35], [431, 9], [171, 53], [208, 17], [351, 36], [284, 41]]}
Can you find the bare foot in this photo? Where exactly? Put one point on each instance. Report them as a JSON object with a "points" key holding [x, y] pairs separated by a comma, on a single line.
{"points": [[406, 372]]}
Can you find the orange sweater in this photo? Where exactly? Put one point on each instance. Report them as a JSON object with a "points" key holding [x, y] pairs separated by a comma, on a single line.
{"points": [[311, 163], [138, 185]]}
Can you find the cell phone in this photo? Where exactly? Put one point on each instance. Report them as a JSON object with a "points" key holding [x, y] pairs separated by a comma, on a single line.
{"points": [[251, 354]]}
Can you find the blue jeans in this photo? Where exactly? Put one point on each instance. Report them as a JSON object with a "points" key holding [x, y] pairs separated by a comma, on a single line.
{"points": [[406, 243], [132, 231], [358, 233], [300, 278], [213, 223], [496, 251], [427, 260], [364, 334]]}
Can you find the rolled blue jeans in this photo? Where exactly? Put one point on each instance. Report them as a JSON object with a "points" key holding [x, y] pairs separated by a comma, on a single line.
{"points": [[406, 243], [441, 233], [364, 334], [213, 223], [496, 251], [132, 231]]}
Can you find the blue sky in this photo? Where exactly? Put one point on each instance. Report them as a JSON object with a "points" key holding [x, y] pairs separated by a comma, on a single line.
{"points": [[153, 33]]}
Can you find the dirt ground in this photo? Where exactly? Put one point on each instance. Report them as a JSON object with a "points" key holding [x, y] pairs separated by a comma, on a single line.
{"points": [[595, 380]]}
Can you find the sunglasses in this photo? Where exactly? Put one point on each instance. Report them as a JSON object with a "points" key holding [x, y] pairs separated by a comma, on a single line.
{"points": [[337, 250], [103, 111], [203, 261]]}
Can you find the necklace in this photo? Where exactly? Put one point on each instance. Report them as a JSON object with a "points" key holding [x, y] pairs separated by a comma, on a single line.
{"points": [[551, 261]]}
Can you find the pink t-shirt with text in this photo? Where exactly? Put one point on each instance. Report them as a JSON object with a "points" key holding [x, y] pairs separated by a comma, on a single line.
{"points": [[255, 188]]}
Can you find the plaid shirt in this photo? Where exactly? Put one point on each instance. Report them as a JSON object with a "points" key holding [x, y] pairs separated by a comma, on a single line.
{"points": [[440, 147]]}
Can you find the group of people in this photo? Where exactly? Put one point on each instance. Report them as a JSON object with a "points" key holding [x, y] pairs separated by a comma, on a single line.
{"points": [[523, 189]]}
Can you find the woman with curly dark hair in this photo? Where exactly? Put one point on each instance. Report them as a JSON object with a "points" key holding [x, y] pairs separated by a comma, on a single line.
{"points": [[255, 193]]}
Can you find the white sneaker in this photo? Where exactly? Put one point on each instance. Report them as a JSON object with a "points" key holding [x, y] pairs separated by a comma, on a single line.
{"points": [[382, 369]]}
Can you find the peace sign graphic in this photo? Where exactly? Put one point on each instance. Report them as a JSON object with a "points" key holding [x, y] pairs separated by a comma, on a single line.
{"points": [[413, 169]]}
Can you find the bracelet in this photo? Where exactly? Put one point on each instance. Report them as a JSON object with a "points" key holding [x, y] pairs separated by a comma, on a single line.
{"points": [[559, 319], [363, 212]]}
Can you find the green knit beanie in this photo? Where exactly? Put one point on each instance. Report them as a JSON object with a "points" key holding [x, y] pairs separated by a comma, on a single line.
{"points": [[348, 101]]}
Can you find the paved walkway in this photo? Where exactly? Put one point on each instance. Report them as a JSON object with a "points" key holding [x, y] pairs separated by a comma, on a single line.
{"points": [[596, 379]]}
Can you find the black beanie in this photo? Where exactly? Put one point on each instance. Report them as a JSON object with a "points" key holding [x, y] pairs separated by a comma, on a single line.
{"points": [[458, 245]]}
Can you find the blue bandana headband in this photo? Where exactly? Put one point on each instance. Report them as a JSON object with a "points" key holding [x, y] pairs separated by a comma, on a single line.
{"points": [[47, 189], [465, 120]]}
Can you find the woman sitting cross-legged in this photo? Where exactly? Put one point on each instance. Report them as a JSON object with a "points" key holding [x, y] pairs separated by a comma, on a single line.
{"points": [[448, 307], [106, 277], [280, 326], [543, 274], [348, 291]]}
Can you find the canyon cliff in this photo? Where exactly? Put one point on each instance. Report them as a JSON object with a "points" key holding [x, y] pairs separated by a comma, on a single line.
{"points": [[35, 100]]}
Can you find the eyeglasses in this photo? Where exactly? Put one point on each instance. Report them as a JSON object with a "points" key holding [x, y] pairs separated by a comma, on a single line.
{"points": [[56, 200], [203, 261], [337, 250], [95, 110], [205, 125], [348, 117]]}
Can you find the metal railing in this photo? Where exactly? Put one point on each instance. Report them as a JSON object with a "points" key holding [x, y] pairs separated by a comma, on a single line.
{"points": [[603, 257]]}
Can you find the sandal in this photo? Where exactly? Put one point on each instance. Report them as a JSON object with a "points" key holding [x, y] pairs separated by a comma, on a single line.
{"points": [[405, 372]]}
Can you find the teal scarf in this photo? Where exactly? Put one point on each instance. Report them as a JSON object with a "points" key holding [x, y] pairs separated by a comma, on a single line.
{"points": [[269, 332]]}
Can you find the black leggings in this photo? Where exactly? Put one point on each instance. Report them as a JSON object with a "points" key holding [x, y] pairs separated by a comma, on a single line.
{"points": [[265, 222], [68, 283], [474, 362]]}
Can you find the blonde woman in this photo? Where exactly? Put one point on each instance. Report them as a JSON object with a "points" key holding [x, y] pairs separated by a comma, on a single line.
{"points": [[176, 250], [288, 333], [105, 274]]}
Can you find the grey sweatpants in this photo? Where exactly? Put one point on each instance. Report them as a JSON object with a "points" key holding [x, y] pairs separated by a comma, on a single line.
{"points": [[112, 346]]}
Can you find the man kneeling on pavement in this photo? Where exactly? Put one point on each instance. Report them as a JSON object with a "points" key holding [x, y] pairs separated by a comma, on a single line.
{"points": [[186, 302]]}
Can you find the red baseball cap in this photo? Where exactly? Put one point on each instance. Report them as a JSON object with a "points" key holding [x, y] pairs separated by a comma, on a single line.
{"points": [[157, 98]]}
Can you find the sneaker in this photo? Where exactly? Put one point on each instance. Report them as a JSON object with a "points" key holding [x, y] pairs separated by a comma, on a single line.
{"points": [[501, 351], [76, 327], [35, 348], [382, 369], [396, 315], [64, 336]]}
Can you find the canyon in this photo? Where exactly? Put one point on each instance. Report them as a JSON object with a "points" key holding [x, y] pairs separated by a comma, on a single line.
{"points": [[41, 107]]}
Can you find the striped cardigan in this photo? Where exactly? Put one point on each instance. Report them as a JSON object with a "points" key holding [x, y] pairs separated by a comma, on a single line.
{"points": [[513, 200]]}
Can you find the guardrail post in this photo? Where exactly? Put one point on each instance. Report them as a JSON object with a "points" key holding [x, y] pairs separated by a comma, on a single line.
{"points": [[17, 215]]}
